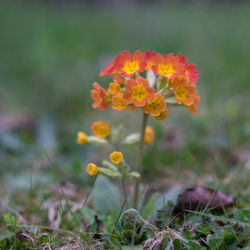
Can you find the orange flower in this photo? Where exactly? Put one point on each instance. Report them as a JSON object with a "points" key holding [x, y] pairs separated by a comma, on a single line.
{"points": [[118, 102], [138, 92], [109, 70], [168, 66], [118, 79], [149, 135], [184, 91], [92, 169], [190, 69], [163, 115], [114, 88], [82, 138], [100, 96], [155, 106], [128, 65], [116, 157], [100, 129], [149, 55], [131, 107], [193, 108]]}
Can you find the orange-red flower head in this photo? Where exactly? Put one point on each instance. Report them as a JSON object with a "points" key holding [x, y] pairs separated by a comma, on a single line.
{"points": [[108, 70], [118, 102], [101, 97], [190, 69], [114, 88], [184, 91], [138, 92], [155, 106], [149, 55], [168, 66], [100, 129], [193, 107], [128, 64]]}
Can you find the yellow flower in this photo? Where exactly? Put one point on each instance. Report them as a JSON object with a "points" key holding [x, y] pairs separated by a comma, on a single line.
{"points": [[82, 138], [116, 157], [100, 129], [149, 135], [92, 169]]}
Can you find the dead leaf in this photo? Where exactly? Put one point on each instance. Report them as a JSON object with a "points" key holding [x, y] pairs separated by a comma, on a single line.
{"points": [[200, 198], [99, 228], [21, 236]]}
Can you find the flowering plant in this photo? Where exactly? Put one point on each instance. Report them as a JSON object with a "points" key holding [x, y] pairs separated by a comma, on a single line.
{"points": [[147, 81]]}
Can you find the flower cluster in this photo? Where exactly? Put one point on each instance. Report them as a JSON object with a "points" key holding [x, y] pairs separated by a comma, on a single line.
{"points": [[130, 89], [116, 168], [102, 134]]}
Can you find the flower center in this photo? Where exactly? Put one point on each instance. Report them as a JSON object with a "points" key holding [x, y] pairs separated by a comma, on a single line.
{"points": [[181, 92], [131, 67], [139, 93]]}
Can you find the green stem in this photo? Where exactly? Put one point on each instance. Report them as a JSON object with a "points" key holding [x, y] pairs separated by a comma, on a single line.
{"points": [[139, 159], [124, 190]]}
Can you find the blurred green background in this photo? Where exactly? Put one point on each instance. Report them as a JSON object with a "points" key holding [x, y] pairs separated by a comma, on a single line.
{"points": [[51, 53]]}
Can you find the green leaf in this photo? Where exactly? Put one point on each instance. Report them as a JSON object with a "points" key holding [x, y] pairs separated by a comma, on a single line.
{"points": [[138, 247], [203, 228], [192, 245], [106, 197], [187, 235], [9, 219], [215, 240], [149, 209], [242, 215]]}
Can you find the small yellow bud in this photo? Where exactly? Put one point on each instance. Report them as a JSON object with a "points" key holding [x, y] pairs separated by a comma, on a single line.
{"points": [[116, 157], [137, 175], [149, 135], [82, 138], [92, 169]]}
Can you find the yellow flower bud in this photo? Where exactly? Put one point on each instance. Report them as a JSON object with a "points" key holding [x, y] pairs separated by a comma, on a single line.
{"points": [[137, 175], [116, 157], [149, 135], [92, 169], [82, 138]]}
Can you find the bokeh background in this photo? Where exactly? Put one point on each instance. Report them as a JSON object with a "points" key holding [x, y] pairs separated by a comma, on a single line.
{"points": [[52, 51]]}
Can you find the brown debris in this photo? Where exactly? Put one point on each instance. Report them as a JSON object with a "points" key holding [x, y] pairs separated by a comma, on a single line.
{"points": [[99, 228]]}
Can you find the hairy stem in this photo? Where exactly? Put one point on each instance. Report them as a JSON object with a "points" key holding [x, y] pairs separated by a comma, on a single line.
{"points": [[139, 159]]}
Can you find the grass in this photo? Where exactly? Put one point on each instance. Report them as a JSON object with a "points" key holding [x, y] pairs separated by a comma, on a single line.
{"points": [[50, 55]]}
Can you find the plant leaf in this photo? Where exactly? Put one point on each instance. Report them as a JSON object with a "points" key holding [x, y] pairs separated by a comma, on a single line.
{"points": [[106, 197]]}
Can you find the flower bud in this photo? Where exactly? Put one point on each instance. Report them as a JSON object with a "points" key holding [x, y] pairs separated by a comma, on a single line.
{"points": [[82, 138], [92, 169], [149, 135], [116, 157]]}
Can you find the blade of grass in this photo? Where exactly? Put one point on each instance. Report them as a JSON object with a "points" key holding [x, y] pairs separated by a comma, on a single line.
{"points": [[220, 218]]}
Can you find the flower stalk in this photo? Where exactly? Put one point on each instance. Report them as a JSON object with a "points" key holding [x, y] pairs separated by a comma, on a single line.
{"points": [[139, 159]]}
